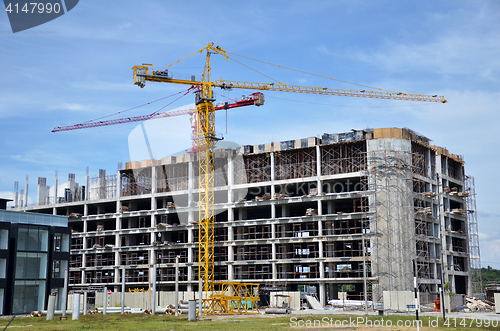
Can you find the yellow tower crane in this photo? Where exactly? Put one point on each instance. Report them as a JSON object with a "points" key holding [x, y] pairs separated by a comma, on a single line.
{"points": [[206, 140]]}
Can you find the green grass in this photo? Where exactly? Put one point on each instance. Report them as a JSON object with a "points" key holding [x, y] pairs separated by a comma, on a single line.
{"points": [[217, 323]]}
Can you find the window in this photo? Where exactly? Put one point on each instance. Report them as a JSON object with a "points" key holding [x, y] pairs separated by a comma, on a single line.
{"points": [[61, 242], [3, 268], [30, 268], [57, 242], [4, 239], [32, 238], [56, 269], [28, 296]]}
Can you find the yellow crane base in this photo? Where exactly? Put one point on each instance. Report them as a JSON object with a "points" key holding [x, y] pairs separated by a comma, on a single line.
{"points": [[232, 298]]}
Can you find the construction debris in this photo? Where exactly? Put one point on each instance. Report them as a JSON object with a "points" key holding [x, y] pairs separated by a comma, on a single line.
{"points": [[266, 196], [475, 304], [124, 209], [311, 212]]}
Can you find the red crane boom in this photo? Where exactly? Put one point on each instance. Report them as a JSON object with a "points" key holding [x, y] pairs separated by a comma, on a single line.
{"points": [[256, 99]]}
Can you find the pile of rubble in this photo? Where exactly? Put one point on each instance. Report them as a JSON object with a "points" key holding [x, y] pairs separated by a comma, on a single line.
{"points": [[475, 304]]}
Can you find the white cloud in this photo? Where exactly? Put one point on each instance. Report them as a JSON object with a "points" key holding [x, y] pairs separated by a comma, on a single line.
{"points": [[44, 157], [74, 107]]}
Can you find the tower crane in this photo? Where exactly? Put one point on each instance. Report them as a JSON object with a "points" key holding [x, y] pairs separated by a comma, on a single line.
{"points": [[256, 99], [206, 138]]}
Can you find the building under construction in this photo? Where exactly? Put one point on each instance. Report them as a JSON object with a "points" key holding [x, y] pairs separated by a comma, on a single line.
{"points": [[346, 213]]}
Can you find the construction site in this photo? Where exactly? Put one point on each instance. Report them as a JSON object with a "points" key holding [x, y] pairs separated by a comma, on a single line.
{"points": [[338, 216]]}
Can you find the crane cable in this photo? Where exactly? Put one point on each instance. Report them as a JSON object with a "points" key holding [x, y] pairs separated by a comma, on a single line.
{"points": [[279, 66], [308, 73], [145, 104]]}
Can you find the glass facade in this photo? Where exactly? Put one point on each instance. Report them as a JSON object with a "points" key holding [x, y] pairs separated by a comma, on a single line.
{"points": [[34, 253], [33, 218], [31, 268]]}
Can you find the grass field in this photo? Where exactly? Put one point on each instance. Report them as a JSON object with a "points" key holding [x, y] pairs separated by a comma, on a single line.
{"points": [[236, 323]]}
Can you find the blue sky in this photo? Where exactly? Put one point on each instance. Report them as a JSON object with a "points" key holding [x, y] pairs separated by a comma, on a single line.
{"points": [[78, 67]]}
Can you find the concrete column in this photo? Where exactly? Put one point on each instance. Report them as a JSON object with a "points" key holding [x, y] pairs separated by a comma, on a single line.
{"points": [[322, 299], [123, 291], [176, 302], [55, 189], [273, 230], [190, 255], [153, 188], [273, 178], [76, 307], [64, 296], [275, 270], [330, 207], [189, 273], [230, 253], [51, 307], [441, 218], [153, 294], [320, 251], [41, 194], [230, 271], [26, 192], [318, 171], [85, 303], [87, 185], [273, 251], [230, 181], [230, 233], [16, 195], [118, 222], [105, 301], [118, 192], [321, 267], [320, 228], [320, 207]]}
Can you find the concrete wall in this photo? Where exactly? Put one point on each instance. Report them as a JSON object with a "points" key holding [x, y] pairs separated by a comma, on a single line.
{"points": [[497, 302], [399, 300], [278, 301], [143, 299]]}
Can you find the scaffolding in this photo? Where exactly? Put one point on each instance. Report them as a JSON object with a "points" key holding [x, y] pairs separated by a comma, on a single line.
{"points": [[476, 283], [102, 186], [172, 177], [295, 163], [422, 211], [136, 182], [393, 240], [343, 158]]}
